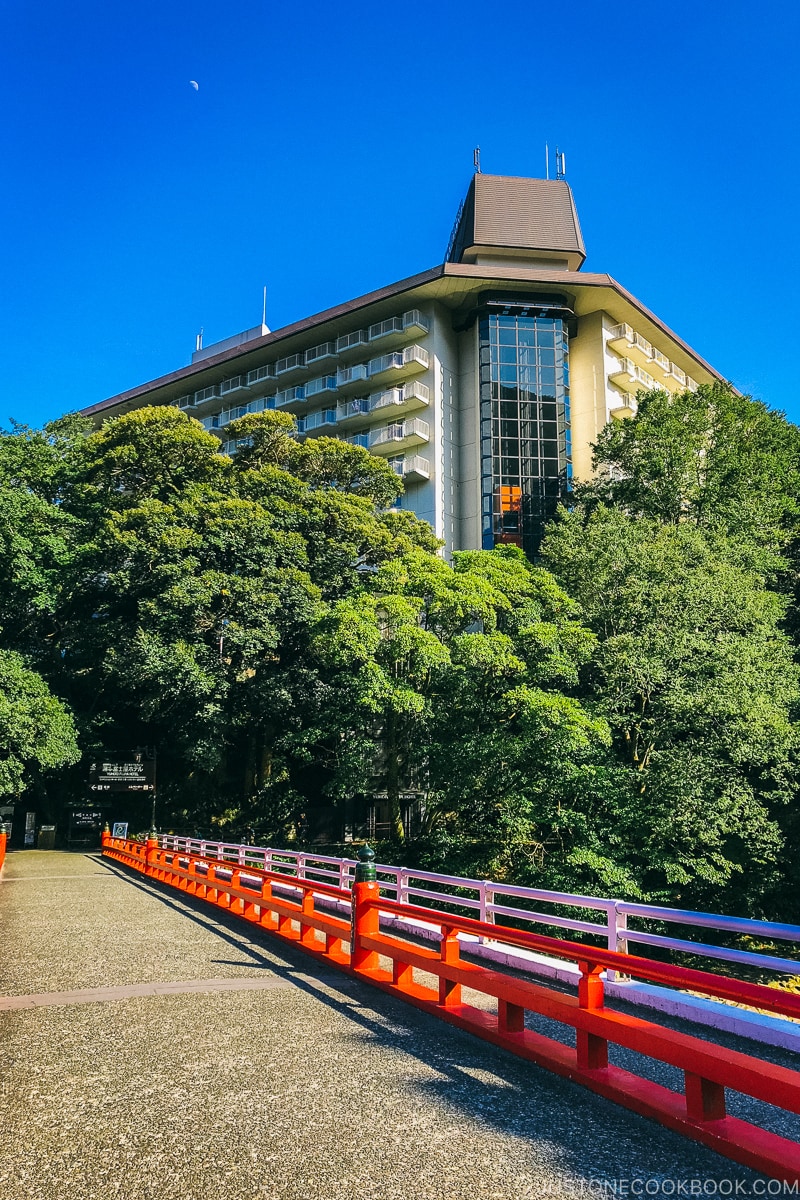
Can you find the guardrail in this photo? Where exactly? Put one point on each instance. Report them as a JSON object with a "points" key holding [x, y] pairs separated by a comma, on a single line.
{"points": [[699, 1112], [486, 899]]}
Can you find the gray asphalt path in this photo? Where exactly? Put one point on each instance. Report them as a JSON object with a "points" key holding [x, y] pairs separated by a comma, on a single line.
{"points": [[152, 1047]]}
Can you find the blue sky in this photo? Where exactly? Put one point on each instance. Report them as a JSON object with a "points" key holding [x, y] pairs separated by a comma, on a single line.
{"points": [[327, 148]]}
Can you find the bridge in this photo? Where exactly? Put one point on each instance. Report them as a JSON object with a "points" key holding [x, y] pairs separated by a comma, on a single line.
{"points": [[175, 1027]]}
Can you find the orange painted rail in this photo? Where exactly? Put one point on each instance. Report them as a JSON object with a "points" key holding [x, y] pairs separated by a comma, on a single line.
{"points": [[399, 966], [3, 840]]}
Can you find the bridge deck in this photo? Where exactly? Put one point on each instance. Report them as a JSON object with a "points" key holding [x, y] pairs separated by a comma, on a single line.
{"points": [[152, 1047]]}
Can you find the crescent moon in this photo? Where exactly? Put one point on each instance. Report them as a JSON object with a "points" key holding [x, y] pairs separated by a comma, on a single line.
{"points": [[195, 84]]}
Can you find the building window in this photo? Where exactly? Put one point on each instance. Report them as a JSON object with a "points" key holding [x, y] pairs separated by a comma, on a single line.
{"points": [[525, 446]]}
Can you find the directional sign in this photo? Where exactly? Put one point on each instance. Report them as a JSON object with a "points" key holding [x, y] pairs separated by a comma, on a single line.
{"points": [[134, 774]]}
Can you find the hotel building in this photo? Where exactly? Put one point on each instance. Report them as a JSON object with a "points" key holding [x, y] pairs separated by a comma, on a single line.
{"points": [[483, 381]]}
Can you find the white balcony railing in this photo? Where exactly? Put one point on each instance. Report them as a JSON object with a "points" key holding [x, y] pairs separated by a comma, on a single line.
{"points": [[351, 341], [260, 374], [292, 395], [321, 352], [292, 362], [628, 375], [237, 383], [346, 376], [352, 409], [411, 466], [317, 420], [410, 395], [412, 357], [209, 393], [413, 430], [319, 385]]}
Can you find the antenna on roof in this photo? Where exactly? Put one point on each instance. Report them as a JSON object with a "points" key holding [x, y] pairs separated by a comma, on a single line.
{"points": [[264, 307], [561, 164], [546, 161], [198, 342], [476, 160]]}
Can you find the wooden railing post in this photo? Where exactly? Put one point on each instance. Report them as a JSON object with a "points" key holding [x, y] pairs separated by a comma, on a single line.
{"points": [[266, 918], [308, 934], [592, 1050], [365, 919], [150, 853], [705, 1100], [449, 952]]}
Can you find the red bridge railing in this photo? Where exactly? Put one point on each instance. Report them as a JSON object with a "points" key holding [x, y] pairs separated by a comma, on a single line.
{"points": [[434, 980]]}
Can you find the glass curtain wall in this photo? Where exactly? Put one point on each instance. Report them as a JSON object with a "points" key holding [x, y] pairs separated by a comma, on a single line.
{"points": [[525, 432]]}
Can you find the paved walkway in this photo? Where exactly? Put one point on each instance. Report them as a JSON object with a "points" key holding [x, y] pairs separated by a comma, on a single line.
{"points": [[153, 1047]]}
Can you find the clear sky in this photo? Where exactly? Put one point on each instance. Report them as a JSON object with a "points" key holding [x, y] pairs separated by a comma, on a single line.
{"points": [[326, 149]]}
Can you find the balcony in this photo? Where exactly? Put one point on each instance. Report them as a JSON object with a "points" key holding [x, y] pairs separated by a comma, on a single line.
{"points": [[263, 404], [385, 328], [691, 384], [410, 324], [352, 341], [400, 435], [625, 340], [211, 423], [352, 410], [413, 467], [413, 359], [661, 361], [317, 422], [401, 399], [630, 377], [320, 385], [359, 439], [210, 393], [677, 374], [231, 414], [185, 403], [292, 395], [260, 374], [622, 406], [324, 351], [352, 377], [292, 362], [238, 383]]}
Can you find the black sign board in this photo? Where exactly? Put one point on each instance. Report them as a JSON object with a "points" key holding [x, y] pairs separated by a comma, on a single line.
{"points": [[133, 774]]}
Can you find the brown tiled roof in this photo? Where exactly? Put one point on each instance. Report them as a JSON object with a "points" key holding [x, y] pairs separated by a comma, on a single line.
{"points": [[516, 213]]}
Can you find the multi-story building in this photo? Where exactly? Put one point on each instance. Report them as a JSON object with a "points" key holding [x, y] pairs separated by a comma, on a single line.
{"points": [[483, 381]]}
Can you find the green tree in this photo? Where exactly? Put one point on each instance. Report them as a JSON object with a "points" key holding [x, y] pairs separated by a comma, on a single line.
{"points": [[36, 730], [698, 684], [714, 459]]}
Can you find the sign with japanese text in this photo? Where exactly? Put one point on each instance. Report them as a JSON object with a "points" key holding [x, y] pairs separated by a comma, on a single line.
{"points": [[134, 774]]}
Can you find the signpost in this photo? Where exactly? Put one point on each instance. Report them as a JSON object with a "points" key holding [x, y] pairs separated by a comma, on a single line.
{"points": [[113, 775], [133, 774]]}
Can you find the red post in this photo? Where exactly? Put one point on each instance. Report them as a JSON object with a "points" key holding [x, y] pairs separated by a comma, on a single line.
{"points": [[705, 1100], [236, 902], [2, 844], [449, 952], [266, 919], [365, 920], [308, 934], [592, 1050], [151, 853], [510, 1017]]}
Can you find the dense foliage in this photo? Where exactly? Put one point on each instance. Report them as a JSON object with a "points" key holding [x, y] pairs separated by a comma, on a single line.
{"points": [[619, 716]]}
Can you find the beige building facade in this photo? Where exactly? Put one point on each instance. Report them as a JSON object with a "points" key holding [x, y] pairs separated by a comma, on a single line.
{"points": [[483, 381]]}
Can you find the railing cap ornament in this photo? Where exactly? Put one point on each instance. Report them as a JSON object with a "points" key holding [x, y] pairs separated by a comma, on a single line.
{"points": [[365, 869]]}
